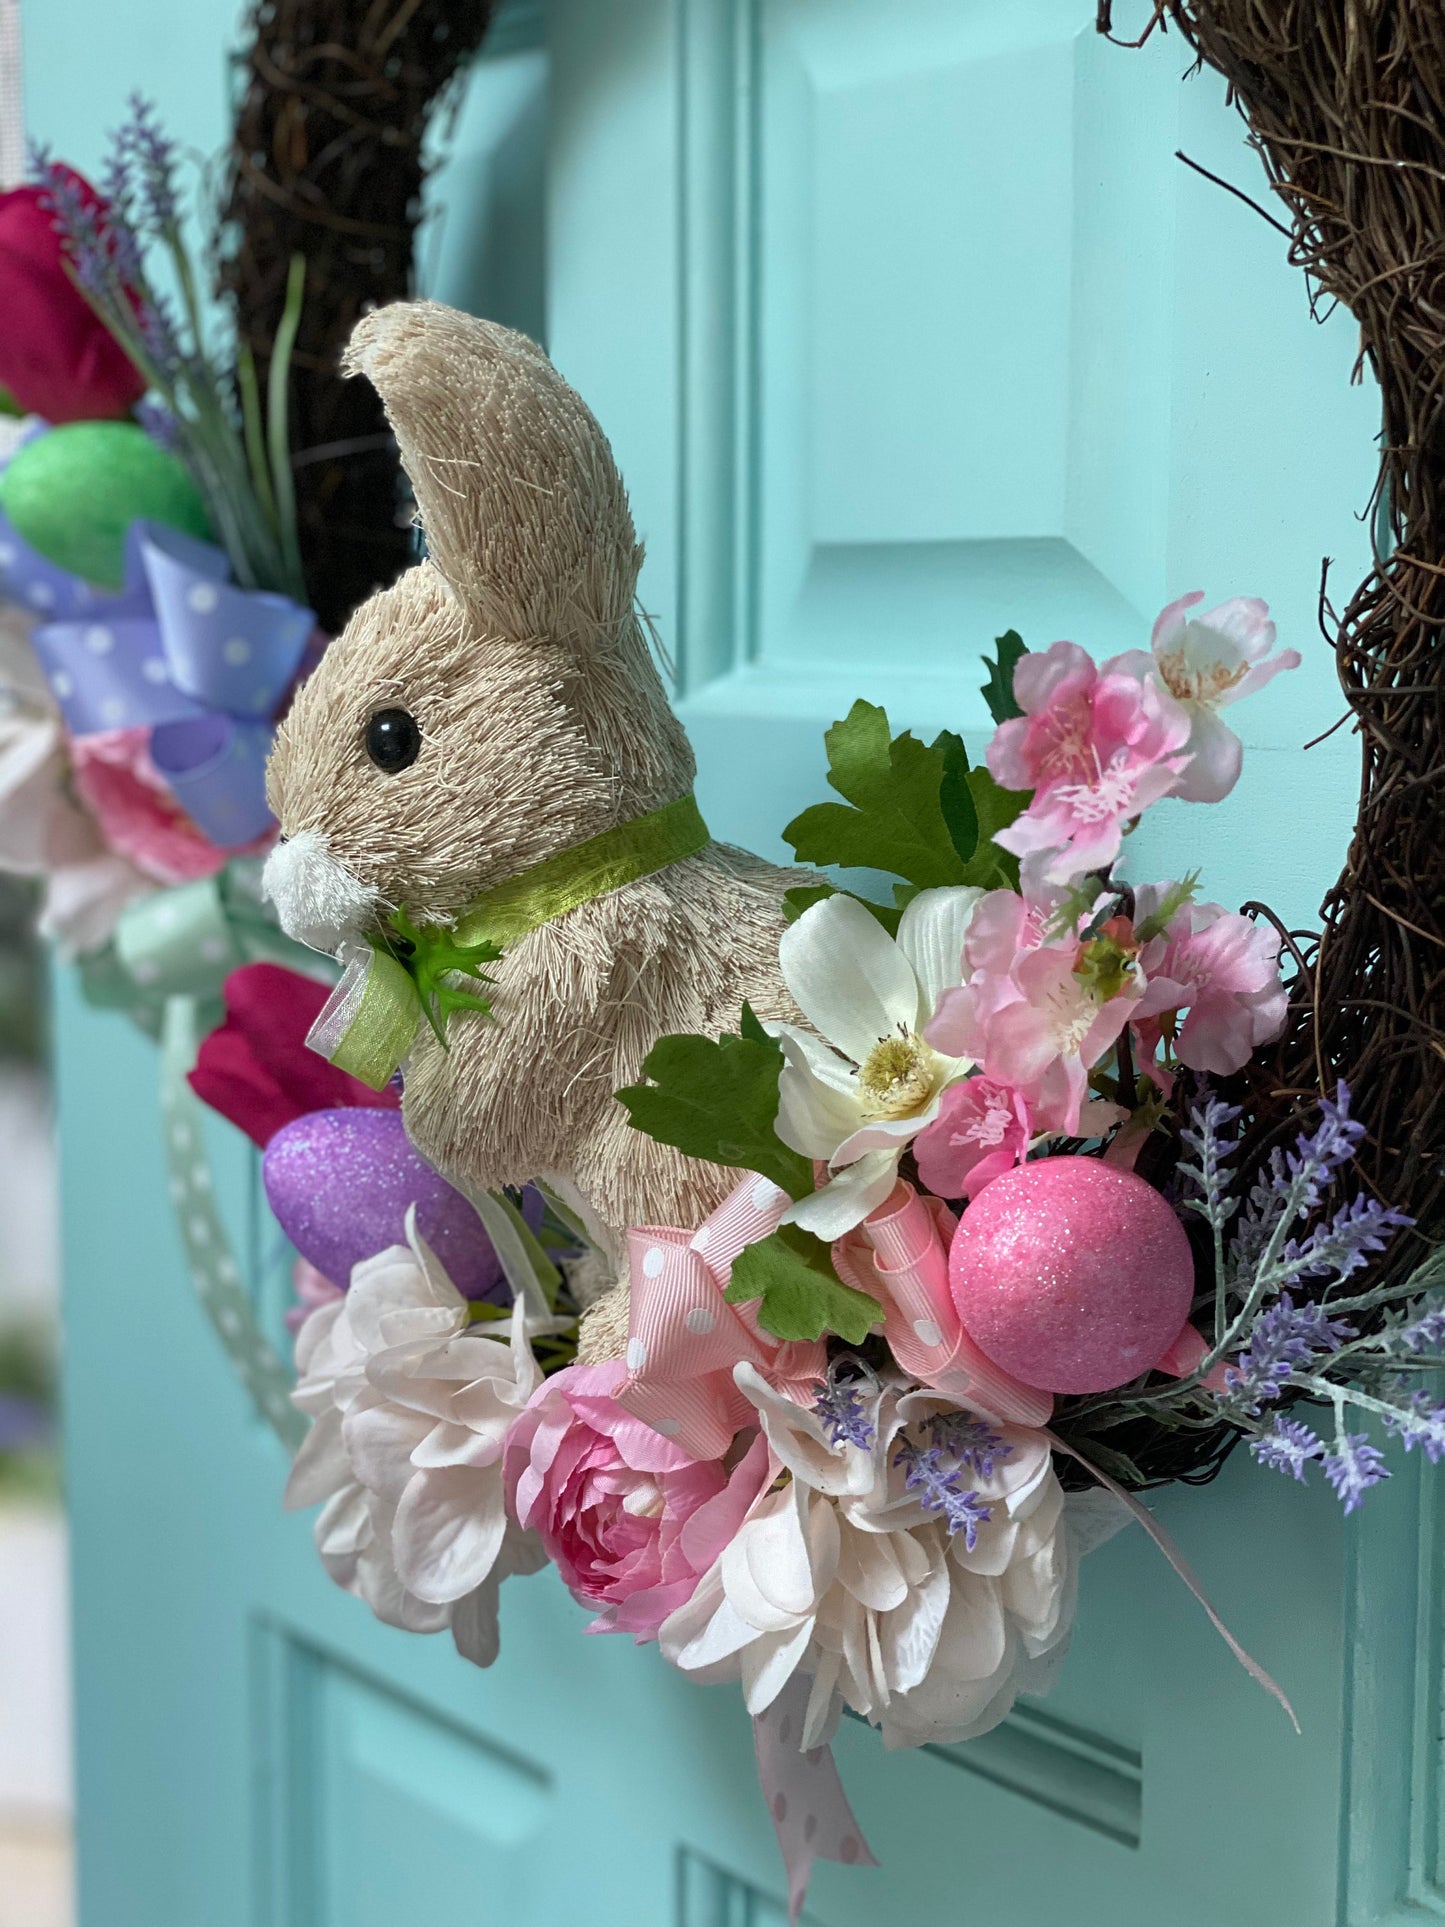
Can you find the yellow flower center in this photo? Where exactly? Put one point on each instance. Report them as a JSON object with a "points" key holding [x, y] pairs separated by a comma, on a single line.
{"points": [[1194, 685], [897, 1076]]}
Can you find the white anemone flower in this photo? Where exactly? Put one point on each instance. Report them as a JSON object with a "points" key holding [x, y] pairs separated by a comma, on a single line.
{"points": [[840, 1573], [856, 1095], [412, 1406]]}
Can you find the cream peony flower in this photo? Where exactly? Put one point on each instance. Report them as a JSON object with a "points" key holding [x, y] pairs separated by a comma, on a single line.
{"points": [[843, 1573], [412, 1408], [856, 1095]]}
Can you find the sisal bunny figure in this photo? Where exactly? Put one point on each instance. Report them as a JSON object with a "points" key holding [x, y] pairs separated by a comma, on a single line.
{"points": [[497, 706]]}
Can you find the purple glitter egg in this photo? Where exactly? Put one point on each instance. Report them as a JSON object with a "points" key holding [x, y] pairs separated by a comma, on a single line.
{"points": [[341, 1182]]}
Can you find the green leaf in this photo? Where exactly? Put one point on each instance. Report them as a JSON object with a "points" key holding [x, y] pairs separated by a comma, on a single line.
{"points": [[801, 1295], [897, 821], [998, 691], [1170, 904], [955, 798], [803, 896], [719, 1101], [990, 867]]}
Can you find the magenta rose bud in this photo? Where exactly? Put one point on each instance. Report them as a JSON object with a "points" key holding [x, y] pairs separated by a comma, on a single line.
{"points": [[57, 358]]}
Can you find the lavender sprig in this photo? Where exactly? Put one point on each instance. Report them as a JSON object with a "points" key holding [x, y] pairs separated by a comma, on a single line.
{"points": [[839, 1406], [1274, 1346], [926, 1471], [1285, 1336], [1288, 1446], [1419, 1420], [242, 469], [153, 152], [972, 1441], [1354, 1467], [1426, 1333]]}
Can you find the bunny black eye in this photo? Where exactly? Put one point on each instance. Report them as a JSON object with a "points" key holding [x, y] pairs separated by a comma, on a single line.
{"points": [[393, 741]]}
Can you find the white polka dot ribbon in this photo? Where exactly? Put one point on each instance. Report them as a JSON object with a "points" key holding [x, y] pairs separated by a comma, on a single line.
{"points": [[900, 1254], [684, 1338], [179, 651], [213, 1268], [810, 1811]]}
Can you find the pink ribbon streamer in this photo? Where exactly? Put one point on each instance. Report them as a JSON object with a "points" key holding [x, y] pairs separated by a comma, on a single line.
{"points": [[809, 1809], [1183, 1568], [684, 1338]]}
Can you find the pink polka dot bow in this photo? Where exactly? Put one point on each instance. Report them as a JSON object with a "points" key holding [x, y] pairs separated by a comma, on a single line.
{"points": [[684, 1338]]}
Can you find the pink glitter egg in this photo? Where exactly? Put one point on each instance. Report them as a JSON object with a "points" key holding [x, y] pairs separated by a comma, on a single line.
{"points": [[1071, 1275]]}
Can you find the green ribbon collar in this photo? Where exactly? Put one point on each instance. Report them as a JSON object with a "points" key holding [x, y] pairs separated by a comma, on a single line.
{"points": [[406, 974]]}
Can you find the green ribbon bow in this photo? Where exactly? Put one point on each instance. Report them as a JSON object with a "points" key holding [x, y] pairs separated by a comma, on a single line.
{"points": [[406, 975], [185, 941]]}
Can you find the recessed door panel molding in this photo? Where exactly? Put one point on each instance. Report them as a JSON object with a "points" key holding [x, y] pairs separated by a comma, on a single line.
{"points": [[905, 421], [378, 1808], [1393, 1822], [1064, 1767], [709, 1896], [961, 348]]}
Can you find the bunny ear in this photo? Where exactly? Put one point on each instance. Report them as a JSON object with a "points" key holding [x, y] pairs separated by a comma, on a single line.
{"points": [[524, 510]]}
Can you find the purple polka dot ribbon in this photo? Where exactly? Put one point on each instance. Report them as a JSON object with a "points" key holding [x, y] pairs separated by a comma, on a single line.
{"points": [[180, 651]]}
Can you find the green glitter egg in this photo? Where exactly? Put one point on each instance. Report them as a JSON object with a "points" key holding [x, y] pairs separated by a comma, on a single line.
{"points": [[74, 491]]}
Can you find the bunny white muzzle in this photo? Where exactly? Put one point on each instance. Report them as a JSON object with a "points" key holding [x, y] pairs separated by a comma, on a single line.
{"points": [[318, 900]]}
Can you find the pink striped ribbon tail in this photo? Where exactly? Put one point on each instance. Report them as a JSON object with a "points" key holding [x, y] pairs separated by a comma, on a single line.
{"points": [[1187, 1354], [907, 1265], [684, 1338], [1185, 1571], [809, 1809]]}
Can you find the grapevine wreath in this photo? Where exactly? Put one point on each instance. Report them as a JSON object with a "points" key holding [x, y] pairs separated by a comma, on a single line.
{"points": [[812, 1275]]}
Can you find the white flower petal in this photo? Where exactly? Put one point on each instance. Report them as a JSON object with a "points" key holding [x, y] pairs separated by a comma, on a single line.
{"points": [[930, 935], [768, 1665], [321, 1465], [380, 1439], [847, 1199], [447, 1533], [766, 1569], [817, 1096], [847, 975], [474, 1624]]}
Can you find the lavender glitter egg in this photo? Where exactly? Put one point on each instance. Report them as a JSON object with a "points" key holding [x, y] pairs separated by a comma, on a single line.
{"points": [[341, 1182], [1071, 1275]]}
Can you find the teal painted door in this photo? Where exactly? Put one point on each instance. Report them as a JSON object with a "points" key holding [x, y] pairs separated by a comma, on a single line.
{"points": [[907, 327]]}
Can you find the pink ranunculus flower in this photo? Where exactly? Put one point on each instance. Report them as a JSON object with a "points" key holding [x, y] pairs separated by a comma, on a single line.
{"points": [[1206, 663], [982, 1130], [1223, 969], [629, 1519], [1045, 1026], [139, 818], [1096, 746]]}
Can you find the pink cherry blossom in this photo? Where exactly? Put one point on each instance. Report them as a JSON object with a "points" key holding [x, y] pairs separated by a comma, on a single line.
{"points": [[1205, 663], [630, 1520], [1096, 747], [1041, 1029], [982, 1130], [1223, 969]]}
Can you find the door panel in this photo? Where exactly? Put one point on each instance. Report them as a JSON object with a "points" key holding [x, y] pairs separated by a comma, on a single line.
{"points": [[907, 327]]}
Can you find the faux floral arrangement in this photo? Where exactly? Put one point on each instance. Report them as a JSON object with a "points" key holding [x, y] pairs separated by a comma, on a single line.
{"points": [[152, 604], [825, 1454]]}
